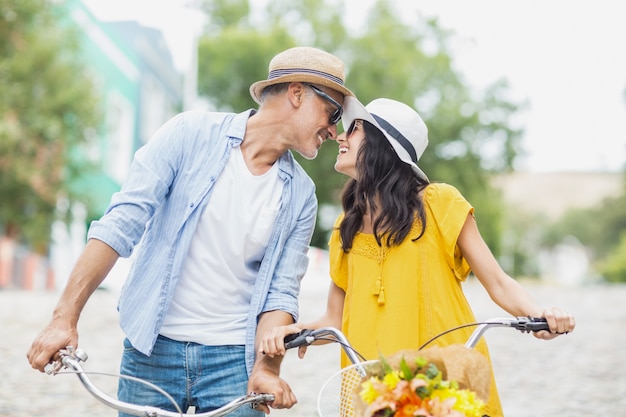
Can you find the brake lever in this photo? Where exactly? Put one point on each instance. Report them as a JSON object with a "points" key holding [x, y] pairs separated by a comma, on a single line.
{"points": [[54, 367]]}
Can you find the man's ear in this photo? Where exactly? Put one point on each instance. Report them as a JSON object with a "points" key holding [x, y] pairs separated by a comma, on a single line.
{"points": [[295, 92]]}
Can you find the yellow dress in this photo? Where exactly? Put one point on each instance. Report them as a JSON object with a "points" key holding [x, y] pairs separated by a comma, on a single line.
{"points": [[400, 297]]}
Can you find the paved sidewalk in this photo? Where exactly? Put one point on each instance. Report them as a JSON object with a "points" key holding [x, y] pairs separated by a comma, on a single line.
{"points": [[577, 375]]}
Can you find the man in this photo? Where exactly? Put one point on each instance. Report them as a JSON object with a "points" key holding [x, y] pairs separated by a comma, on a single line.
{"points": [[224, 215]]}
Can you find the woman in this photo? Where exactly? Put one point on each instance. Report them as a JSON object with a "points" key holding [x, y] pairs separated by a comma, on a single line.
{"points": [[403, 246]]}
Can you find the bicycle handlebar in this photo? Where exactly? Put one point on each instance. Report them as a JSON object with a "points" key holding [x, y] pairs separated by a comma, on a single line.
{"points": [[523, 324], [306, 337], [70, 359]]}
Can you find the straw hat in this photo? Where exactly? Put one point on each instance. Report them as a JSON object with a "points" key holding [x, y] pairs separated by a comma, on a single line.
{"points": [[402, 126], [304, 64]]}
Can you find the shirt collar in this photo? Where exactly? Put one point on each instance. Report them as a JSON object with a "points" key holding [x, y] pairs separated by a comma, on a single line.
{"points": [[237, 128]]}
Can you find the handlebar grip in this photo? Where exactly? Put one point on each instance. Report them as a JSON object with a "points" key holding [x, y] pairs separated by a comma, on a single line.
{"points": [[303, 338], [533, 324]]}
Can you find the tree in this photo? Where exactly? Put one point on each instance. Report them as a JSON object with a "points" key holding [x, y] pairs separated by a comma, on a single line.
{"points": [[46, 106], [613, 267], [410, 62], [601, 228], [227, 63]]}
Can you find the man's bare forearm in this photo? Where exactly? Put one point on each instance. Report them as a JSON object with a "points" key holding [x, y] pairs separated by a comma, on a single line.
{"points": [[90, 270]]}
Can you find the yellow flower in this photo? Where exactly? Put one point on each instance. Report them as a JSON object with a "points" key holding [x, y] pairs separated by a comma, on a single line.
{"points": [[468, 403], [391, 379], [369, 393], [465, 401]]}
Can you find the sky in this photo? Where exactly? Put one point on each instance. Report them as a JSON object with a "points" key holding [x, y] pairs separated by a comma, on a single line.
{"points": [[566, 58]]}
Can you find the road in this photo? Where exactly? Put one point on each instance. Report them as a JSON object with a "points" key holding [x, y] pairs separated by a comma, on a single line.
{"points": [[580, 374]]}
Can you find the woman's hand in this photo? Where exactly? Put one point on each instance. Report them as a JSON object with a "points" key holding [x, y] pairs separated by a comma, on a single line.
{"points": [[560, 322], [273, 342]]}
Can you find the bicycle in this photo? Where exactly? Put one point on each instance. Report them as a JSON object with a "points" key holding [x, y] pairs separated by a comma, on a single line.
{"points": [[330, 402], [335, 397]]}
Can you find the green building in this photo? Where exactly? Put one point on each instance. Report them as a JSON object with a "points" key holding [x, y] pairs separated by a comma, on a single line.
{"points": [[140, 89]]}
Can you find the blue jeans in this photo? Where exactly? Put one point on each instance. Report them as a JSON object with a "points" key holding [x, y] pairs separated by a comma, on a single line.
{"points": [[204, 377]]}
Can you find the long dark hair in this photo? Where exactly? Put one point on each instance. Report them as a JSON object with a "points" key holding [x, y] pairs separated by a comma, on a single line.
{"points": [[382, 179]]}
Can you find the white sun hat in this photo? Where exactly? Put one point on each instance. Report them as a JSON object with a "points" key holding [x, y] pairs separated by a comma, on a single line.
{"points": [[402, 126]]}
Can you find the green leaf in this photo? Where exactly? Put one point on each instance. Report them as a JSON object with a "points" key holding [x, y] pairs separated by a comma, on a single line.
{"points": [[405, 371], [385, 364], [432, 371]]}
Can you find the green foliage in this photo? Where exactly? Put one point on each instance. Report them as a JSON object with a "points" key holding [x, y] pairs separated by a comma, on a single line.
{"points": [[230, 62], [521, 242], [613, 267], [602, 229], [224, 13], [408, 59], [313, 22], [46, 105]]}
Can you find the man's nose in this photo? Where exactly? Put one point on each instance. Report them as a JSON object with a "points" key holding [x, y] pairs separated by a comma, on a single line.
{"points": [[333, 132]]}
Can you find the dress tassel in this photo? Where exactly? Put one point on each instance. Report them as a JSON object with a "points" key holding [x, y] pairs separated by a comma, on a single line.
{"points": [[381, 296], [377, 287]]}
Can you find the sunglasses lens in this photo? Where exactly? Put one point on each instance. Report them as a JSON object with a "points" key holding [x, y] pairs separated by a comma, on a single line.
{"points": [[351, 128], [336, 116]]}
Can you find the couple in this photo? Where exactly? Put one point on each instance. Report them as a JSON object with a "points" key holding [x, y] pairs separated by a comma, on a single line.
{"points": [[224, 215]]}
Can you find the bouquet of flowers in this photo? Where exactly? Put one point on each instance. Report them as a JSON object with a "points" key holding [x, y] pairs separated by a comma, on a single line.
{"points": [[431, 383]]}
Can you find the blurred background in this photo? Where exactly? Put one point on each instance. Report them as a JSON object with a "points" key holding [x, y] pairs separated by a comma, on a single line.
{"points": [[525, 104]]}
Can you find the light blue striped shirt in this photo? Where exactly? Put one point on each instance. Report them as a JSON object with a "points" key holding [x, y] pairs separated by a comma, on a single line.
{"points": [[169, 184]]}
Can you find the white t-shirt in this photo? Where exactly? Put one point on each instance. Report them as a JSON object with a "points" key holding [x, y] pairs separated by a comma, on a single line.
{"points": [[212, 297]]}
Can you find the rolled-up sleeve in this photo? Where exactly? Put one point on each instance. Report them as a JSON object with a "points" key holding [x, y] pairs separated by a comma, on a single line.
{"points": [[152, 172]]}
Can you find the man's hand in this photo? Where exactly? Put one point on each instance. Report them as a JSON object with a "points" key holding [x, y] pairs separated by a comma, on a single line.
{"points": [[46, 346], [90, 269], [265, 379]]}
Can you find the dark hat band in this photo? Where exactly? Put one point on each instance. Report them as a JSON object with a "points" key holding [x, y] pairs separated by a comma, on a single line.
{"points": [[281, 72], [394, 133]]}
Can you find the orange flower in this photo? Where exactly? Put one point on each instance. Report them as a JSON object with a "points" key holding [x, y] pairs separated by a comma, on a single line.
{"points": [[411, 410]]}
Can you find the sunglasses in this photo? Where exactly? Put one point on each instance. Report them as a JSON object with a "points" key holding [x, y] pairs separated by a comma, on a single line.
{"points": [[336, 115], [353, 127]]}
